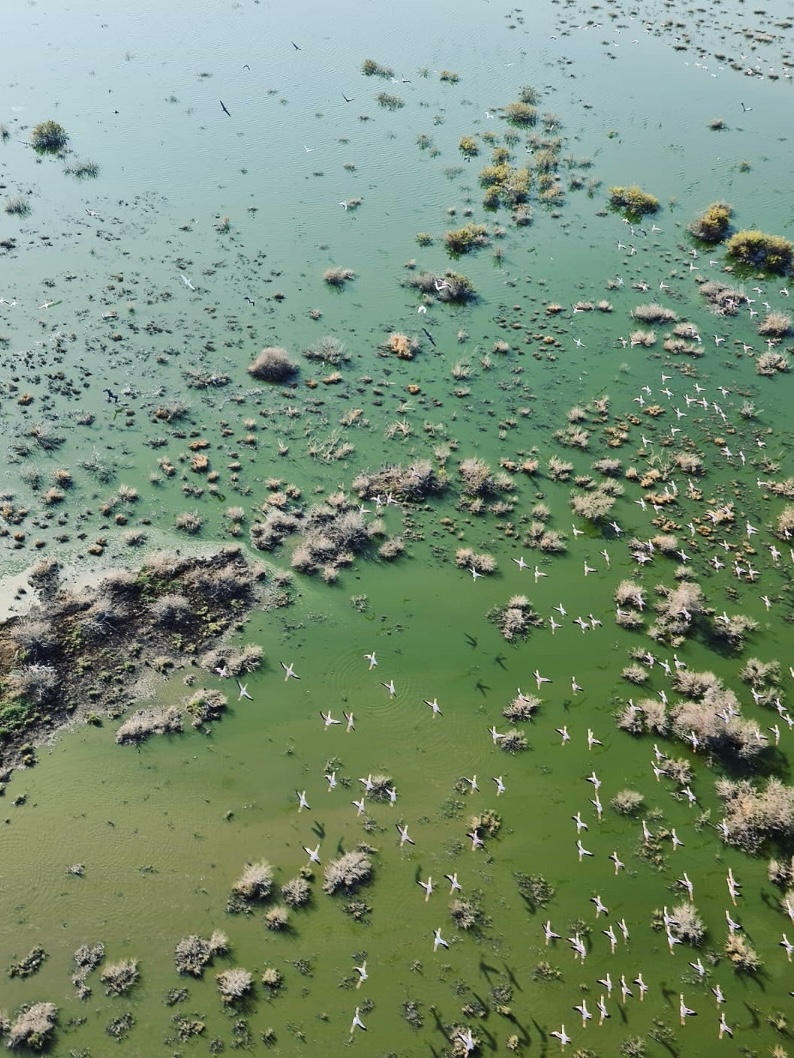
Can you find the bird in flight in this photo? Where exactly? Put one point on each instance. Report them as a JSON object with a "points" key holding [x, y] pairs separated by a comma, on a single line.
{"points": [[243, 692], [289, 671], [223, 108]]}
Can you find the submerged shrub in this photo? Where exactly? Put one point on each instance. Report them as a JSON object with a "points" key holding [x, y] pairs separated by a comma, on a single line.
{"points": [[713, 224], [49, 137], [348, 872]]}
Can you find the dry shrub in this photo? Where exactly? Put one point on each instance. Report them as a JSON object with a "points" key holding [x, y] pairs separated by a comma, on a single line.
{"points": [[272, 364], [775, 325], [255, 883], [234, 984], [348, 872], [653, 313], [32, 1027], [770, 363], [757, 814], [119, 977], [146, 722]]}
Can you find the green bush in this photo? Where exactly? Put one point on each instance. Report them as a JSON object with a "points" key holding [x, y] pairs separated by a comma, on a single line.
{"points": [[713, 224], [633, 199], [773, 253]]}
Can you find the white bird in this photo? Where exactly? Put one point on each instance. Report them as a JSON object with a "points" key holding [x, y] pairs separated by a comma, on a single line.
{"points": [[350, 721], [563, 733], [592, 740], [390, 688], [500, 786], [638, 980], [438, 940], [422, 309], [309, 149], [404, 836], [331, 781], [624, 929], [302, 802], [328, 720], [540, 679], [357, 1023], [367, 783], [699, 968], [718, 994], [600, 906], [618, 862], [607, 983], [593, 778], [562, 1036], [672, 940], [580, 823], [243, 692], [724, 1026], [495, 736], [561, 610], [186, 281], [685, 883], [575, 687], [625, 991], [289, 671], [360, 806], [677, 842], [373, 661], [521, 563], [683, 1010], [476, 840], [786, 943], [611, 936], [733, 925], [472, 783], [454, 884], [603, 1013], [596, 803], [427, 886], [582, 850], [362, 973], [582, 1008], [553, 625], [313, 854], [434, 706], [549, 933]]}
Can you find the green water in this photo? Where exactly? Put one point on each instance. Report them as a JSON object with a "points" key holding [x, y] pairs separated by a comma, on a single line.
{"points": [[164, 830]]}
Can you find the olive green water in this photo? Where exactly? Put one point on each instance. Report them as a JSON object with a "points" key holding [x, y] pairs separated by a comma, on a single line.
{"points": [[164, 830]]}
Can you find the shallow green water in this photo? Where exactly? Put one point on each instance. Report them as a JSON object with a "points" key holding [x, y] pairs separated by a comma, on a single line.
{"points": [[151, 825]]}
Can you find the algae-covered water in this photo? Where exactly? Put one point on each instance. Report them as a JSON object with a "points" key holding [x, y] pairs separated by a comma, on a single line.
{"points": [[251, 207]]}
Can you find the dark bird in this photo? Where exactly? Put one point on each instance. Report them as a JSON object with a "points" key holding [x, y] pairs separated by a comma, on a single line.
{"points": [[746, 109], [246, 66], [294, 45], [223, 108], [346, 98], [430, 336], [112, 397], [250, 302]]}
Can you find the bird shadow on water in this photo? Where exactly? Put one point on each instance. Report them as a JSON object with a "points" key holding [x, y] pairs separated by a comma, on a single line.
{"points": [[318, 829]]}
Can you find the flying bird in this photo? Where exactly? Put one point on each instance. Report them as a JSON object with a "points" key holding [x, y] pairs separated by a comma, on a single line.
{"points": [[224, 109]]}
